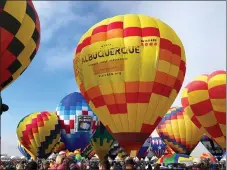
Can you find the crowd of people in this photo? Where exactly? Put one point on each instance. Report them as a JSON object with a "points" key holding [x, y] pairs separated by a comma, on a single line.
{"points": [[62, 162]]}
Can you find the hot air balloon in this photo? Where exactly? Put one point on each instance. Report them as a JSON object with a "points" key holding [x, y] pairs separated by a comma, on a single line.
{"points": [[130, 69], [204, 100], [23, 151], [60, 146], [78, 121], [212, 147], [178, 131], [144, 148], [20, 38], [39, 132], [102, 141], [157, 146]]}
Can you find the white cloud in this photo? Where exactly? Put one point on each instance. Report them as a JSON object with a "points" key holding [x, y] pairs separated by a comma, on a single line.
{"points": [[59, 58]]}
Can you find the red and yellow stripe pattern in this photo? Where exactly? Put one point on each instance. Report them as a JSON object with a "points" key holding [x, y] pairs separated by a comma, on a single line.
{"points": [[19, 38], [130, 69], [39, 133], [205, 101]]}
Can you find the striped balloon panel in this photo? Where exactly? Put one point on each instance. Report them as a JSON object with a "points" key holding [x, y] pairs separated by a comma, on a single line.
{"points": [[38, 133], [130, 69], [20, 39], [205, 102], [178, 131]]}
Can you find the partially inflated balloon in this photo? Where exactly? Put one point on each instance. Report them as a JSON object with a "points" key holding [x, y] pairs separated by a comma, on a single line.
{"points": [[102, 141], [158, 147], [178, 131], [23, 151], [19, 40], [204, 100], [130, 69], [212, 147], [144, 148], [38, 133], [78, 121]]}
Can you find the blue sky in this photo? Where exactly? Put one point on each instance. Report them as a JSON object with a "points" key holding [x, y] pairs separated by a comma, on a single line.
{"points": [[200, 25]]}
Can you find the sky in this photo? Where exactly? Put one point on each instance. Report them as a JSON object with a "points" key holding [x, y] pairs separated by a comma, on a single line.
{"points": [[201, 27]]}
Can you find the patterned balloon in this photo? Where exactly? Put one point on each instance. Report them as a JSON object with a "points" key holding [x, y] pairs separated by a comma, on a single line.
{"points": [[130, 69], [175, 158], [212, 147], [19, 40], [144, 148], [204, 100], [23, 151], [60, 146], [178, 131], [38, 133], [158, 147], [78, 121], [102, 141]]}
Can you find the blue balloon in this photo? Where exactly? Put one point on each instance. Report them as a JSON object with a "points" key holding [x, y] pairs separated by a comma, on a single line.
{"points": [[144, 149], [78, 121], [158, 147], [23, 151]]}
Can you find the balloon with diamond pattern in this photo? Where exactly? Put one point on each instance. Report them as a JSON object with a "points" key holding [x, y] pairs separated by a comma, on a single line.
{"points": [[19, 38], [39, 133]]}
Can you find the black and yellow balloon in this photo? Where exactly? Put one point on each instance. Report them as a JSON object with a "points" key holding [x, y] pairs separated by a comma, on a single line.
{"points": [[102, 141], [20, 38], [39, 133]]}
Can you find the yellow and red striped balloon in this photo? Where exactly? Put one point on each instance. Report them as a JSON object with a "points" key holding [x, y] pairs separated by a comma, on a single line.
{"points": [[130, 69], [38, 133], [205, 102], [178, 131]]}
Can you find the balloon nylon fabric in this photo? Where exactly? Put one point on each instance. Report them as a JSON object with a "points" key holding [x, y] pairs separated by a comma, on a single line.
{"points": [[70, 110], [178, 131], [38, 133], [20, 38], [23, 151], [130, 69], [102, 141], [204, 100]]}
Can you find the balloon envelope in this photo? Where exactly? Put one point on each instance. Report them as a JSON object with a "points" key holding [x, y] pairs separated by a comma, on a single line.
{"points": [[38, 133], [78, 121], [178, 131], [204, 100], [23, 151], [130, 69], [20, 38], [102, 141], [60, 146]]}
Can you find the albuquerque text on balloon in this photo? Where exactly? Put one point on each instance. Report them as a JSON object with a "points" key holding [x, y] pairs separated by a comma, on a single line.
{"points": [[78, 121], [204, 100], [130, 69], [20, 38], [38, 133]]}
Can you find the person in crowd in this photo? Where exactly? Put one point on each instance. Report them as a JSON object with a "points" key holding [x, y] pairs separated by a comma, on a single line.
{"points": [[20, 166], [104, 165], [129, 164], [32, 166], [59, 163]]}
